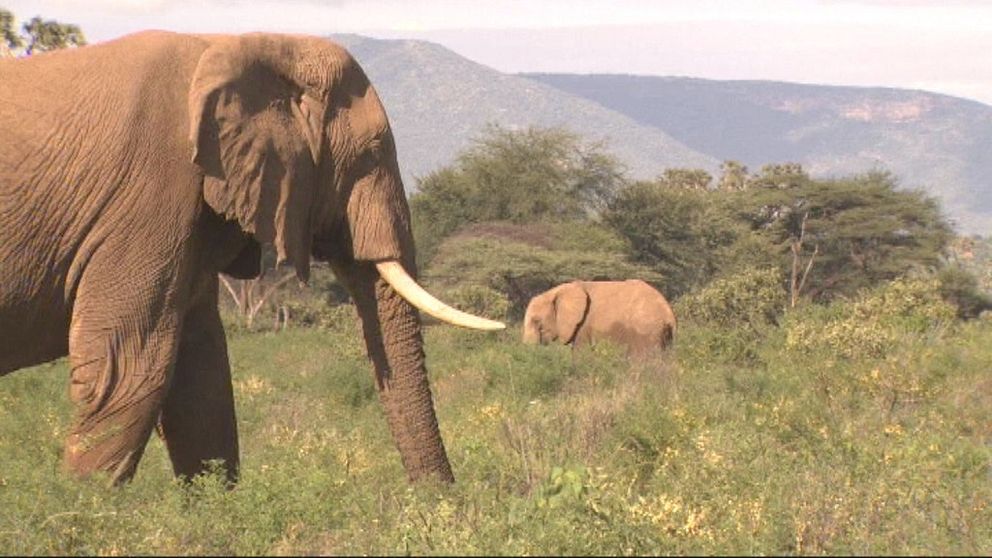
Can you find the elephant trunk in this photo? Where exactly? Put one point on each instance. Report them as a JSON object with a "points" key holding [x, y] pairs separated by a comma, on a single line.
{"points": [[404, 390], [530, 336], [393, 336]]}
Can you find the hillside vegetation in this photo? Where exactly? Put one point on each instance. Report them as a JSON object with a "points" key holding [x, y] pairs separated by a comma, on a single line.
{"points": [[827, 238], [829, 390]]}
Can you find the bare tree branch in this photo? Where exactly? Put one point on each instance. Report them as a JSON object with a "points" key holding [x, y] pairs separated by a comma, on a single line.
{"points": [[795, 282], [246, 297], [260, 302], [230, 289]]}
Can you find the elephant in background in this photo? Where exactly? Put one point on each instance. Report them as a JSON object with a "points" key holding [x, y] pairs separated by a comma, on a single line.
{"points": [[631, 313], [134, 171]]}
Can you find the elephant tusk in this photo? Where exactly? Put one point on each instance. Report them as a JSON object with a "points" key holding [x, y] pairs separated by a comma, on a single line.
{"points": [[393, 273]]}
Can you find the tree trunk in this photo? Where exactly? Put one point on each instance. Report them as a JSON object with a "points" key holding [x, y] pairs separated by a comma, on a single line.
{"points": [[247, 298]]}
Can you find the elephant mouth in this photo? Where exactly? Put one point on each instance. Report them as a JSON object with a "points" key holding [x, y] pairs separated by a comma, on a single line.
{"points": [[393, 273]]}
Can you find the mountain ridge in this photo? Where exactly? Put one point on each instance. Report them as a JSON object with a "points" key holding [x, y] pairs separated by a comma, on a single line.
{"points": [[439, 102], [936, 142]]}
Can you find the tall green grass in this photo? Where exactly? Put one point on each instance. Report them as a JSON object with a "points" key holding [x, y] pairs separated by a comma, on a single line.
{"points": [[796, 449]]}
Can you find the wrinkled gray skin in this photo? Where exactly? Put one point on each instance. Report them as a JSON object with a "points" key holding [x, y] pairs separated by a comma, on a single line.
{"points": [[132, 172], [631, 313]]}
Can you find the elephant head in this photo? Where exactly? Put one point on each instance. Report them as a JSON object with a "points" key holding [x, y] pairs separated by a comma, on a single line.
{"points": [[295, 146], [556, 315]]}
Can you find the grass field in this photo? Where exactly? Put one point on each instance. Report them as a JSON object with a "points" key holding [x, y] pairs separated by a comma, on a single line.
{"points": [[746, 444]]}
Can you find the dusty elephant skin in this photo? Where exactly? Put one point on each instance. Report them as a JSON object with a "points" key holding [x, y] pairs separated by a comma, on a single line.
{"points": [[631, 313], [132, 172]]}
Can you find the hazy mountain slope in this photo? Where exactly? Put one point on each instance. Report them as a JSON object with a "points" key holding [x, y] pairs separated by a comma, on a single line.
{"points": [[438, 101], [940, 143]]}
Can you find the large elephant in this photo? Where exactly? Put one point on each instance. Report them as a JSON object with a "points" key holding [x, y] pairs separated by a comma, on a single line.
{"points": [[631, 313], [132, 172]]}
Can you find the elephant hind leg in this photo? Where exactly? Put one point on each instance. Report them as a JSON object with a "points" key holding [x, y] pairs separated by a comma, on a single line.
{"points": [[198, 421], [119, 378]]}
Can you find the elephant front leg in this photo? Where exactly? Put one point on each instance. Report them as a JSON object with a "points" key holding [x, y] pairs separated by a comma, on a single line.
{"points": [[121, 367], [198, 421]]}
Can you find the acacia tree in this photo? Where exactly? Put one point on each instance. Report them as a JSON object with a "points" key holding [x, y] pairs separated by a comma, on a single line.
{"points": [[687, 179], [39, 35], [684, 234], [803, 249], [44, 35], [733, 176], [532, 175], [10, 41], [843, 235], [828, 238]]}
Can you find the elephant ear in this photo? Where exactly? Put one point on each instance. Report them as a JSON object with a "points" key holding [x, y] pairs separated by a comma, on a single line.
{"points": [[571, 306], [256, 135]]}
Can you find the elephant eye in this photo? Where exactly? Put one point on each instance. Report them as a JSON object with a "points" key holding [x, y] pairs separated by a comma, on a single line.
{"points": [[374, 149]]}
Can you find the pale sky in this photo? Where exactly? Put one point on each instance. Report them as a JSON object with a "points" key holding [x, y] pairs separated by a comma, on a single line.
{"points": [[943, 46]]}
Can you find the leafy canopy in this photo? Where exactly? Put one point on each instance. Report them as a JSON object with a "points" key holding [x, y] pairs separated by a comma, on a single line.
{"points": [[536, 174], [683, 232], [832, 237], [858, 231]]}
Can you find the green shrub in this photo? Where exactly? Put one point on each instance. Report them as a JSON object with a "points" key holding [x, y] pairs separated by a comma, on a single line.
{"points": [[317, 313], [751, 299], [479, 300], [519, 176], [555, 452], [682, 233], [870, 325], [961, 287]]}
